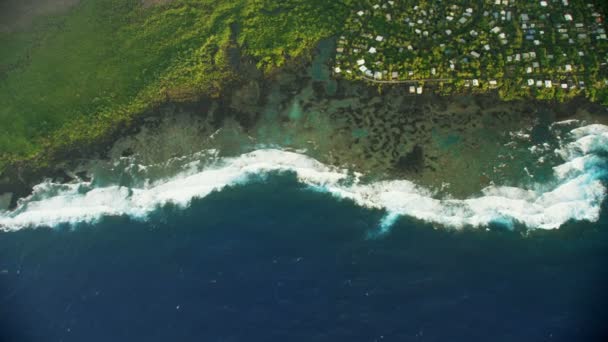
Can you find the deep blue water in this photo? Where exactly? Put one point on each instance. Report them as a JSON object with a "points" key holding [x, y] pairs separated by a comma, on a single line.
{"points": [[273, 262]]}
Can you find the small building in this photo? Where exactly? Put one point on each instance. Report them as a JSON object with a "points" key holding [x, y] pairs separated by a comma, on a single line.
{"points": [[475, 83], [337, 70], [372, 50], [379, 38], [360, 61], [412, 89], [418, 90], [530, 82], [548, 84]]}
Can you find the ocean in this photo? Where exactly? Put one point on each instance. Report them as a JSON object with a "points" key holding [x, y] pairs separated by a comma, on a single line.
{"points": [[275, 246], [273, 261]]}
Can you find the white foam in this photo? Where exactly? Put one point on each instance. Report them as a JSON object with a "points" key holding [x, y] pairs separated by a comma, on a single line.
{"points": [[576, 194]]}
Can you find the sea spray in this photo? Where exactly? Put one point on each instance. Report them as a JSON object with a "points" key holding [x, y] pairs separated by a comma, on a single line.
{"points": [[575, 193]]}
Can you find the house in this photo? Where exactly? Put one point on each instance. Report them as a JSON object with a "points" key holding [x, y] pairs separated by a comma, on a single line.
{"points": [[530, 82], [475, 54], [372, 50], [360, 61], [337, 70], [568, 67], [379, 38], [363, 68], [412, 89], [419, 90], [360, 13], [548, 84], [493, 83], [475, 83]]}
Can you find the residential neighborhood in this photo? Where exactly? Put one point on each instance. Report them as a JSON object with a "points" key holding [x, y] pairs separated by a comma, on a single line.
{"points": [[550, 49]]}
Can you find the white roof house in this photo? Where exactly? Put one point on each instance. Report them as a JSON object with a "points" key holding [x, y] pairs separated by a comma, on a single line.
{"points": [[379, 38], [530, 82], [568, 67], [412, 89], [372, 50], [360, 13], [548, 84], [475, 54], [360, 61], [363, 68], [568, 17], [337, 70], [419, 90], [476, 83]]}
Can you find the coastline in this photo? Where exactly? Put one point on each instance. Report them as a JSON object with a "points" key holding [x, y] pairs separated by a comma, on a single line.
{"points": [[199, 127]]}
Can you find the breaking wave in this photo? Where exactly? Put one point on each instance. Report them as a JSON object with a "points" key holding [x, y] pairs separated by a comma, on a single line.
{"points": [[575, 193]]}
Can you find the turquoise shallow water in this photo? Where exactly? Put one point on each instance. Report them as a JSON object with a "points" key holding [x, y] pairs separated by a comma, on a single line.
{"points": [[274, 261]]}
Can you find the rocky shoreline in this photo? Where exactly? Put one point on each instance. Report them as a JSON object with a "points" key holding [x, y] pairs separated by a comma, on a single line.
{"points": [[382, 132]]}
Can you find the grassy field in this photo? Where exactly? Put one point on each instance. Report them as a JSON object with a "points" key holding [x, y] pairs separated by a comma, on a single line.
{"points": [[68, 79]]}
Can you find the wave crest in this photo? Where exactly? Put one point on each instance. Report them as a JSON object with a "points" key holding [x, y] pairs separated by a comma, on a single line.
{"points": [[575, 194]]}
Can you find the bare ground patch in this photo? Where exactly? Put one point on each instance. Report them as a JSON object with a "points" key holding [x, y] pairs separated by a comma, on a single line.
{"points": [[19, 14]]}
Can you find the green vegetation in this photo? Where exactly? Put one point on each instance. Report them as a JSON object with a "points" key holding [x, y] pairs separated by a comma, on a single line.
{"points": [[70, 79], [553, 49]]}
